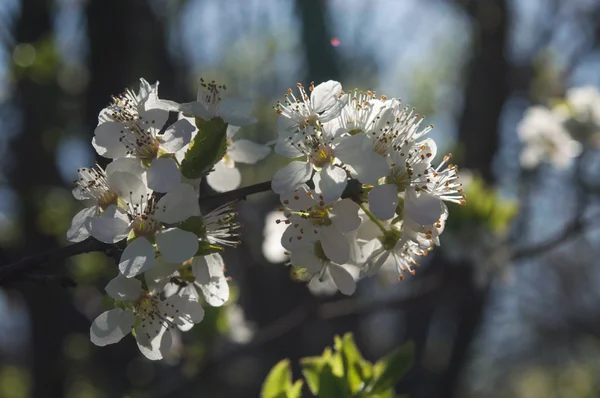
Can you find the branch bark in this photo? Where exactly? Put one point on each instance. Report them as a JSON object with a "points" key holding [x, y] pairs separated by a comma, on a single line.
{"points": [[37, 261]]}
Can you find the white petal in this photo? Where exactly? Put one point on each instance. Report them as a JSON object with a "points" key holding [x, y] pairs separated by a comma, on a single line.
{"points": [[107, 140], [285, 148], [195, 109], [343, 279], [137, 257], [223, 178], [79, 225], [184, 310], [176, 245], [163, 175], [330, 182], [111, 326], [236, 111], [291, 177], [178, 205], [299, 233], [300, 199], [111, 227], [357, 151], [158, 275], [158, 346], [154, 118], [130, 165], [177, 135], [209, 273], [383, 200], [127, 185], [325, 95], [421, 207], [245, 151], [232, 131], [122, 288], [335, 245], [345, 215], [306, 258]]}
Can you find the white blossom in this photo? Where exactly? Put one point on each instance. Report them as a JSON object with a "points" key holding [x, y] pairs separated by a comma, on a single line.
{"points": [[144, 312], [130, 126], [545, 139], [145, 220], [310, 219], [122, 181]]}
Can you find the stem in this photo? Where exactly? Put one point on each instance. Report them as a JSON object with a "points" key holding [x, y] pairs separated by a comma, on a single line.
{"points": [[37, 261], [373, 218]]}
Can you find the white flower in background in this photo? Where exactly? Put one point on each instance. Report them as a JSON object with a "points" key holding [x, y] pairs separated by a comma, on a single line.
{"points": [[545, 139], [209, 104], [273, 231], [204, 274], [239, 330], [121, 182], [315, 262], [584, 103], [580, 114], [225, 175], [130, 127], [147, 314], [145, 220], [297, 113], [311, 219]]}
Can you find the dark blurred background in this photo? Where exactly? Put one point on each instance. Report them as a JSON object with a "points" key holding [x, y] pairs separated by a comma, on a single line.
{"points": [[509, 306]]}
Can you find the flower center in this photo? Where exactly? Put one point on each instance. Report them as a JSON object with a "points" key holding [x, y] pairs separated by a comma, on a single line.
{"points": [[319, 216], [94, 183], [321, 155], [390, 238], [144, 221]]}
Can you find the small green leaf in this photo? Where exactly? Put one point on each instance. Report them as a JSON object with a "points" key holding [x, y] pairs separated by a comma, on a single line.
{"points": [[194, 224], [330, 385], [311, 368], [390, 370], [278, 381], [296, 390], [357, 371], [206, 149]]}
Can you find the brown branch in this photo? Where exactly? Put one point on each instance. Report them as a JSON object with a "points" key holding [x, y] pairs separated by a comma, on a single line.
{"points": [[36, 261]]}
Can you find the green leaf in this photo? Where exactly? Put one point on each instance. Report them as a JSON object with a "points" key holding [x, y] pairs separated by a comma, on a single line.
{"points": [[278, 381], [206, 149], [356, 370], [296, 390], [311, 368], [390, 370], [330, 385]]}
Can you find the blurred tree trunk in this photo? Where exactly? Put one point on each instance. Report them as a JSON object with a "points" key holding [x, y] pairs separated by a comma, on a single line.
{"points": [[33, 176], [320, 57], [485, 95]]}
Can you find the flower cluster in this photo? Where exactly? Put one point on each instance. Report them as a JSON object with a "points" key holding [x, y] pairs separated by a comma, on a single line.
{"points": [[557, 134], [141, 198], [362, 190]]}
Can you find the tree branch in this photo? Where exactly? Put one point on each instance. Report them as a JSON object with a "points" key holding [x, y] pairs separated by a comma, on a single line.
{"points": [[36, 261]]}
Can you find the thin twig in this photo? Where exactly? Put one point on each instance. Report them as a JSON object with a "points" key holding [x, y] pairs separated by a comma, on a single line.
{"points": [[18, 268]]}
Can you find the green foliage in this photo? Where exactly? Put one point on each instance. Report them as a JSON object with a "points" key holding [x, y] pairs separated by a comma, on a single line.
{"points": [[484, 207], [342, 372], [278, 383], [206, 149]]}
